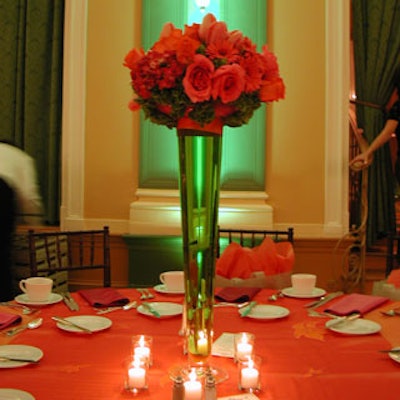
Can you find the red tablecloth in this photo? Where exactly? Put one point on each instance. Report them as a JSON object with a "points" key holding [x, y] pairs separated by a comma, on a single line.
{"points": [[302, 360]]}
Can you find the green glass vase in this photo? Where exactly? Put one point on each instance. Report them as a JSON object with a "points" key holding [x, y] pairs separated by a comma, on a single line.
{"points": [[200, 165]]}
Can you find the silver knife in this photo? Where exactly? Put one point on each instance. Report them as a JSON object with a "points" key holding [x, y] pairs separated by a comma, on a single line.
{"points": [[70, 302], [68, 322], [320, 302], [25, 360], [246, 311], [151, 309]]}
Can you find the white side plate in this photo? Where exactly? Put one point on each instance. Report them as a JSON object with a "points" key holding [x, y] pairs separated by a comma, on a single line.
{"points": [[92, 322], [165, 309], [163, 289], [358, 326], [265, 311], [19, 351], [15, 394]]}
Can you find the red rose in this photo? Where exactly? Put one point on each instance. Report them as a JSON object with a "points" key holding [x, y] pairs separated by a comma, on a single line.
{"points": [[198, 77], [228, 83], [272, 90]]}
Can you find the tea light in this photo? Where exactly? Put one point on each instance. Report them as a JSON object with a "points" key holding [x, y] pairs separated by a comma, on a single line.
{"points": [[202, 343], [136, 375], [142, 348], [249, 376], [193, 389], [244, 346]]}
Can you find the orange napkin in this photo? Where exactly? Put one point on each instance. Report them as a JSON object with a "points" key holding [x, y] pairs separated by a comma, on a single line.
{"points": [[7, 319], [394, 278], [356, 303], [103, 297], [236, 294], [269, 257]]}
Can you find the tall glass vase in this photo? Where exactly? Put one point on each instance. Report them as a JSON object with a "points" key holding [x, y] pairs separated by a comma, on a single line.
{"points": [[200, 164]]}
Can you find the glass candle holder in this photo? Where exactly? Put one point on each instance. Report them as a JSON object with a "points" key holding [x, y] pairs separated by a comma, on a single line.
{"points": [[243, 345], [136, 372], [142, 347], [249, 374]]}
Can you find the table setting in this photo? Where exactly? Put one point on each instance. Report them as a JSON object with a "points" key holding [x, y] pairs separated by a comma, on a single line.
{"points": [[102, 364]]}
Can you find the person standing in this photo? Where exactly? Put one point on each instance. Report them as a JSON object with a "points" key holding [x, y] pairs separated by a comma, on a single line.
{"points": [[20, 203]]}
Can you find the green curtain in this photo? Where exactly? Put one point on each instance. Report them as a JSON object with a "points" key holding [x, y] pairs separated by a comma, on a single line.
{"points": [[376, 37], [31, 54]]}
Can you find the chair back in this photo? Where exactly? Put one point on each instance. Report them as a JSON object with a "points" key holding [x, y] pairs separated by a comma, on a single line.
{"points": [[252, 238], [56, 251], [392, 252]]}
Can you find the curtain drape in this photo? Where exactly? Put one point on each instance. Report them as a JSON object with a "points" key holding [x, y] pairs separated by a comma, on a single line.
{"points": [[376, 37], [31, 49]]}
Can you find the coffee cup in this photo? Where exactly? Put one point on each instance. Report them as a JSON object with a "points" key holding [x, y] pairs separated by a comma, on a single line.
{"points": [[37, 288], [173, 280], [303, 284]]}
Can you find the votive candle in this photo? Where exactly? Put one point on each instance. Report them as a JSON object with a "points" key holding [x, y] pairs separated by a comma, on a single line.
{"points": [[193, 388]]}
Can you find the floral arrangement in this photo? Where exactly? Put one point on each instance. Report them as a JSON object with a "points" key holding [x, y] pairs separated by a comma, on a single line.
{"points": [[203, 73]]}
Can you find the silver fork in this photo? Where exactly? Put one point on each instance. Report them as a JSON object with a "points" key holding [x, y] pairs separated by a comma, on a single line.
{"points": [[149, 294], [143, 294], [25, 310]]}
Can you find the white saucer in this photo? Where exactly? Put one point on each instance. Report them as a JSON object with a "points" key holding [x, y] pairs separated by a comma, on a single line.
{"points": [[165, 309], [395, 356], [19, 351], [358, 326], [93, 322], [23, 299], [161, 288], [317, 292], [265, 311], [15, 394]]}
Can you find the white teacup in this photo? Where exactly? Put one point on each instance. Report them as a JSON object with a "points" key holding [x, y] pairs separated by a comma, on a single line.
{"points": [[37, 288], [303, 283], [173, 280]]}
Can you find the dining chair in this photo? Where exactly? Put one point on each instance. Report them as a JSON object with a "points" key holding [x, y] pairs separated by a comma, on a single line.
{"points": [[56, 251], [392, 252], [252, 238]]}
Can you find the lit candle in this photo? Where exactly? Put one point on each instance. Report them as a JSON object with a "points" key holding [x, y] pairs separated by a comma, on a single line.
{"points": [[249, 376], [137, 377], [142, 349], [243, 348], [202, 344], [193, 389]]}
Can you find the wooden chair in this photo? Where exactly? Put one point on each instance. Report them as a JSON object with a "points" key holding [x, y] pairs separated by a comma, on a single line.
{"points": [[252, 238], [55, 251], [392, 252]]}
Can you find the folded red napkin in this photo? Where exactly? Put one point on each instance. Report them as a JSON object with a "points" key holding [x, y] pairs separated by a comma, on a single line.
{"points": [[394, 278], [236, 294], [269, 257], [356, 303], [7, 319], [103, 297]]}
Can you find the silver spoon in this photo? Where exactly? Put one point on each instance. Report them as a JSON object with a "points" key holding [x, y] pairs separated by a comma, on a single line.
{"points": [[35, 323], [25, 310], [391, 313]]}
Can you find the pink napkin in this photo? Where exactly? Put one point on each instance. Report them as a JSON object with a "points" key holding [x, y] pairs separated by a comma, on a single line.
{"points": [[103, 297], [7, 319], [356, 303], [269, 257], [236, 294]]}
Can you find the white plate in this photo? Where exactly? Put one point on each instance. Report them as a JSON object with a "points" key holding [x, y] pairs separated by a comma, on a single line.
{"points": [[92, 322], [317, 292], [165, 309], [163, 289], [23, 299], [265, 311], [358, 326], [15, 394], [395, 356], [19, 351]]}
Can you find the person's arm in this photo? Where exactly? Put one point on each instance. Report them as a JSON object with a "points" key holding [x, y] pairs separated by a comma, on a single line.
{"points": [[384, 136]]}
